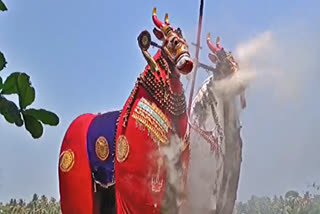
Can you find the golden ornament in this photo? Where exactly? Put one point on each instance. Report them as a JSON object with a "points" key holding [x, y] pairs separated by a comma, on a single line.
{"points": [[67, 160], [102, 148], [122, 148]]}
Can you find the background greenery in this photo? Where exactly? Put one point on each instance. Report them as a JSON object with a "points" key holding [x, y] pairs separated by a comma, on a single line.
{"points": [[289, 203], [38, 205]]}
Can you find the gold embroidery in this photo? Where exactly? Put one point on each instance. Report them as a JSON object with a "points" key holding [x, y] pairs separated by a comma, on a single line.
{"points": [[122, 148], [150, 116], [102, 148], [66, 160]]}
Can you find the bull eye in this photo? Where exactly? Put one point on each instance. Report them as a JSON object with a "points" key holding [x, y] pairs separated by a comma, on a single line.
{"points": [[174, 42]]}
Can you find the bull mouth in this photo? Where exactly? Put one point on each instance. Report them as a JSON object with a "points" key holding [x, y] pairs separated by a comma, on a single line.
{"points": [[184, 63]]}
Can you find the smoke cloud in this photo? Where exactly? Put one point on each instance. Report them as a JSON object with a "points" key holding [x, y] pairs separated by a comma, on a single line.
{"points": [[284, 96], [280, 60], [280, 63]]}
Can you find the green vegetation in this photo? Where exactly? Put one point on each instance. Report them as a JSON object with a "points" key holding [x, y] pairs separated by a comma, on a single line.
{"points": [[36, 206], [291, 203], [19, 84]]}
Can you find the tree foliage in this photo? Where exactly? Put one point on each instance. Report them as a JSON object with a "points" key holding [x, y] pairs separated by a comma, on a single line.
{"points": [[20, 114], [2, 6], [291, 203], [38, 205]]}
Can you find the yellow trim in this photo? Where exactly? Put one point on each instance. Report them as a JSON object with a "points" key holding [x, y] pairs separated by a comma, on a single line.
{"points": [[166, 18], [157, 110]]}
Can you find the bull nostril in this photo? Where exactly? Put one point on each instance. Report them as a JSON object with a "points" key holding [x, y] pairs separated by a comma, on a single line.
{"points": [[188, 66]]}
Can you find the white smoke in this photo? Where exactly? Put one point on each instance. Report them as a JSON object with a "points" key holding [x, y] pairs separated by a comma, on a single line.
{"points": [[174, 186], [247, 51], [272, 60], [250, 57], [286, 72], [278, 60], [204, 174]]}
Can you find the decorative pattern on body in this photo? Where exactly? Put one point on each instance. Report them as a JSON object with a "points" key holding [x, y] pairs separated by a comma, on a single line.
{"points": [[150, 116]]}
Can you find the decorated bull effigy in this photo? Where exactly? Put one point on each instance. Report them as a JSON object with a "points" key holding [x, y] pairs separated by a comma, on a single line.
{"points": [[215, 134], [123, 161]]}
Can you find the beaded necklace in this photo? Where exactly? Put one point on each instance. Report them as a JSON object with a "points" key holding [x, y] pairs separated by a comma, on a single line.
{"points": [[160, 91]]}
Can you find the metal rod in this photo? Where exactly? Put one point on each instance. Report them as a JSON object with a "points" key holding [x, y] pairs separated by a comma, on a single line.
{"points": [[207, 67], [197, 56], [155, 44]]}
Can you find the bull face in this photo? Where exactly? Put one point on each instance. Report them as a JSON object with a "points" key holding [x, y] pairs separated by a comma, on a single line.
{"points": [[173, 44], [224, 61]]}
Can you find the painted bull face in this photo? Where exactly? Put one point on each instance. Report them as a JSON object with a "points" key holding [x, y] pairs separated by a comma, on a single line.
{"points": [[174, 44], [225, 62]]}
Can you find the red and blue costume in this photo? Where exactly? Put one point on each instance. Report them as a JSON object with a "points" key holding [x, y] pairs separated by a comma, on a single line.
{"points": [[127, 150]]}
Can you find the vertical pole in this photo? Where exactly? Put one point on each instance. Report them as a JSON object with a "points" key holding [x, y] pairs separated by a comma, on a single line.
{"points": [[197, 56]]}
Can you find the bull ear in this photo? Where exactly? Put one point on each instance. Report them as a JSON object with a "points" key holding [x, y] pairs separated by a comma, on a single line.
{"points": [[158, 34], [213, 58], [179, 32]]}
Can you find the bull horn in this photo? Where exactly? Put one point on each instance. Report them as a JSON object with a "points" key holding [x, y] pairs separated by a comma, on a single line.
{"points": [[218, 43], [212, 47], [218, 40], [155, 19], [166, 19], [209, 36]]}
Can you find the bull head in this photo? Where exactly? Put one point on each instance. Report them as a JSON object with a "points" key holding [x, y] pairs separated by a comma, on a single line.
{"points": [[173, 44], [224, 61]]}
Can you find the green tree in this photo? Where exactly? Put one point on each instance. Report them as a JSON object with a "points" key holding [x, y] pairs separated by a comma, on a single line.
{"points": [[36, 206], [35, 197], [293, 194], [19, 114], [292, 203]]}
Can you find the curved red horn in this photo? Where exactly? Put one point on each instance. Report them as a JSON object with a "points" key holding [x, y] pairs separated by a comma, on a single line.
{"points": [[155, 19], [212, 47]]}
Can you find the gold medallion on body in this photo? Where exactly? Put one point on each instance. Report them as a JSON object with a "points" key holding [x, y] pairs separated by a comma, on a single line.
{"points": [[66, 160], [102, 148], [122, 148]]}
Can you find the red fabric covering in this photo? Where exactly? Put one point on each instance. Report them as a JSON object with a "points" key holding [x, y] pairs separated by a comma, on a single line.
{"points": [[133, 176], [76, 193]]}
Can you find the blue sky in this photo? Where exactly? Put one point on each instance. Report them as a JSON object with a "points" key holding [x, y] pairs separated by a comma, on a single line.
{"points": [[83, 56]]}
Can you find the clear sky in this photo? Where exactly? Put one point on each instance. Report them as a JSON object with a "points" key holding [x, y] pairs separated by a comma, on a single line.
{"points": [[83, 56]]}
